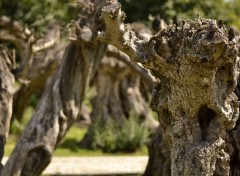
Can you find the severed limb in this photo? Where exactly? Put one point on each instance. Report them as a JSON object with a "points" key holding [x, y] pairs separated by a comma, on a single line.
{"points": [[119, 35]]}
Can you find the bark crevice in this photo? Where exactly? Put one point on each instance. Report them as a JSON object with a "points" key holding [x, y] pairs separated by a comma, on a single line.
{"points": [[205, 116]]}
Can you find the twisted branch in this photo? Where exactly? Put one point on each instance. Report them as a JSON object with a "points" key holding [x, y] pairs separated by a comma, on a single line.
{"points": [[25, 42]]}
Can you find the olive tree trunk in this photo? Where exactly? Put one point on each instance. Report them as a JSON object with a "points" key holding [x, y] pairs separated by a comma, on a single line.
{"points": [[159, 159], [196, 63], [60, 104], [233, 148], [233, 144], [6, 97]]}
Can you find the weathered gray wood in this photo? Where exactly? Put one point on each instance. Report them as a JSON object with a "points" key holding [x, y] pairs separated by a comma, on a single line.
{"points": [[60, 104], [6, 97], [196, 62]]}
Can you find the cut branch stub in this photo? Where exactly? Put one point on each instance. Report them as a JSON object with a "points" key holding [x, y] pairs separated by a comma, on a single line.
{"points": [[120, 36], [196, 62]]}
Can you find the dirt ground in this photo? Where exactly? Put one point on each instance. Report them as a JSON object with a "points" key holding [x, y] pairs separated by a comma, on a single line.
{"points": [[96, 165]]}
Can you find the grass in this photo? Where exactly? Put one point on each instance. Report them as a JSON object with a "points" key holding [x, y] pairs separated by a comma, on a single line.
{"points": [[68, 146], [11, 142]]}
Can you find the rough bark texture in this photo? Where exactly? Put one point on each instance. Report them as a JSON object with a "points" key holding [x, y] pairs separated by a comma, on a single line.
{"points": [[6, 97], [60, 104], [118, 94], [159, 163], [196, 62], [233, 146], [233, 138], [159, 159]]}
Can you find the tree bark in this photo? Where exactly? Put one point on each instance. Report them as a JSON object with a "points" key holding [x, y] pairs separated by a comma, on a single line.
{"points": [[196, 62], [233, 145], [6, 98], [159, 160], [233, 148], [60, 104]]}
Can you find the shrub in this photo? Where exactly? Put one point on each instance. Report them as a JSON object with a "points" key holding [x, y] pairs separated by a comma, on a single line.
{"points": [[112, 137]]}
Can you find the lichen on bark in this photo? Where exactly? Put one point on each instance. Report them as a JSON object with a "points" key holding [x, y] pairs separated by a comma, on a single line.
{"points": [[196, 63]]}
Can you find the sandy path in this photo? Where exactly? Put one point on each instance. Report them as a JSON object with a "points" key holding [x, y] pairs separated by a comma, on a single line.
{"points": [[96, 165]]}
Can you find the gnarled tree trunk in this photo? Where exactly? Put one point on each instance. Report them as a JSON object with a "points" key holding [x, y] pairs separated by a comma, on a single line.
{"points": [[159, 159], [60, 104], [157, 148], [233, 148], [6, 97], [196, 62]]}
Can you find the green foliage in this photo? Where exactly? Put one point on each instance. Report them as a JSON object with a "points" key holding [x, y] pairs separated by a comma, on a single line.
{"points": [[171, 10], [37, 14], [69, 145], [16, 127], [111, 137]]}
